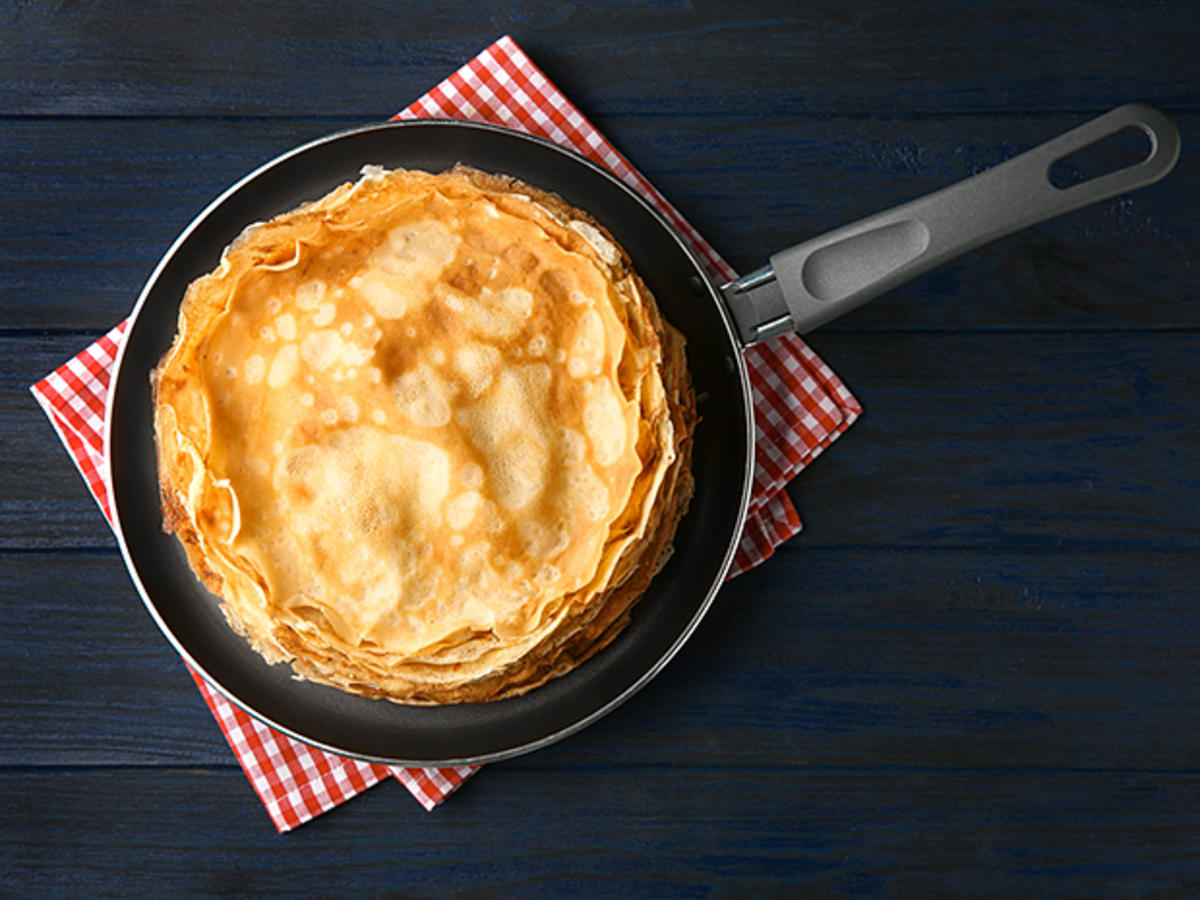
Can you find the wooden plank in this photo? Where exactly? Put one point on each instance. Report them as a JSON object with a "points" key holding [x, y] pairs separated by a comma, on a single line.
{"points": [[705, 59], [970, 440], [1012, 440], [113, 194], [822, 657], [43, 500], [624, 830], [91, 678]]}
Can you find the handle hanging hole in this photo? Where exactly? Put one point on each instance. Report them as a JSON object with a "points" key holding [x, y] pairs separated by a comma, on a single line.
{"points": [[1120, 150]]}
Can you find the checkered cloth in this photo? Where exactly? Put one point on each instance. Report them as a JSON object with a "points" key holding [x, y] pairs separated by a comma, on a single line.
{"points": [[800, 408]]}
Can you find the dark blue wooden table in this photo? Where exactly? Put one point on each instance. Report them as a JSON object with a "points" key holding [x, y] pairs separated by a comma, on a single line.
{"points": [[978, 670]]}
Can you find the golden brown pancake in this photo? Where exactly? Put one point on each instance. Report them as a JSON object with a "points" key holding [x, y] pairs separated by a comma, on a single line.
{"points": [[427, 437]]}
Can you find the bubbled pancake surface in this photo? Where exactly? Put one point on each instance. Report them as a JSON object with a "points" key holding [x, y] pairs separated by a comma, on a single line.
{"points": [[427, 438]]}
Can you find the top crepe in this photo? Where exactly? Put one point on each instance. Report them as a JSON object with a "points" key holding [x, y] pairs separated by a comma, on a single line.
{"points": [[427, 437]]}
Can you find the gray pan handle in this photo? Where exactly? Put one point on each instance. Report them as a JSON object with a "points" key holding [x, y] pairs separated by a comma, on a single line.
{"points": [[811, 283]]}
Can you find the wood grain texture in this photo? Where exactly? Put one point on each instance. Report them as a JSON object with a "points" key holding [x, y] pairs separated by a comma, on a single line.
{"points": [[641, 831], [43, 501], [113, 194], [708, 58], [1013, 440], [823, 657], [974, 674]]}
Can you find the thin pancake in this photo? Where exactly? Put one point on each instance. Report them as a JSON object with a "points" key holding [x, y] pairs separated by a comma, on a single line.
{"points": [[427, 437]]}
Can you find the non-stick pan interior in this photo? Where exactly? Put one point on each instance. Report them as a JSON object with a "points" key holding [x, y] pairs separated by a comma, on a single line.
{"points": [[378, 729]]}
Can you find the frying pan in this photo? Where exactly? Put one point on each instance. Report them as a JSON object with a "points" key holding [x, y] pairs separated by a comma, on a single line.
{"points": [[800, 288]]}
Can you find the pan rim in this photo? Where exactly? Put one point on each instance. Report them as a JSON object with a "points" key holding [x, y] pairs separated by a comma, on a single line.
{"points": [[680, 638]]}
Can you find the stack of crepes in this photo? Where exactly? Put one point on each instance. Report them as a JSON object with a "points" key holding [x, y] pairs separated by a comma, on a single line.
{"points": [[427, 437]]}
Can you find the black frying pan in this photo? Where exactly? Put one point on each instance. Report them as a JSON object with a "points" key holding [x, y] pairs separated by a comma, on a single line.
{"points": [[803, 287]]}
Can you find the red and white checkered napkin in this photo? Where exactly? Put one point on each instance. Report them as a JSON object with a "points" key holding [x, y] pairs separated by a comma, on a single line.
{"points": [[800, 408]]}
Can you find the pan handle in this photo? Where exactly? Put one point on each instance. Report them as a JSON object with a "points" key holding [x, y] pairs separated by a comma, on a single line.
{"points": [[809, 284]]}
